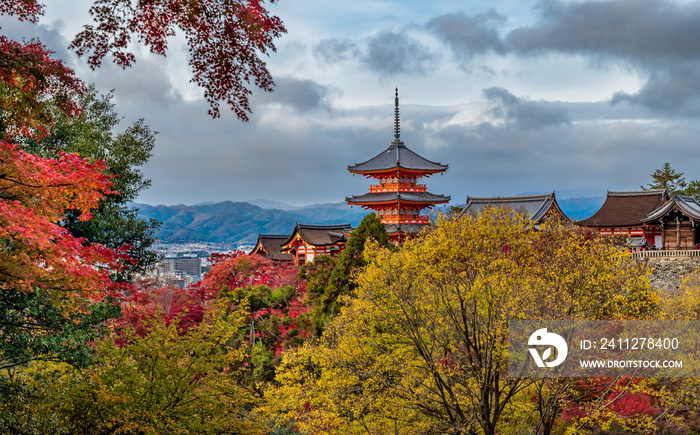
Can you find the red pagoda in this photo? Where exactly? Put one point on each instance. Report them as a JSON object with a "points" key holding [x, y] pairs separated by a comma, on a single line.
{"points": [[397, 198]]}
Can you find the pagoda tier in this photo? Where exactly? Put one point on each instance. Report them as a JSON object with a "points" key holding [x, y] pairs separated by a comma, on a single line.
{"points": [[400, 207], [397, 161], [398, 199]]}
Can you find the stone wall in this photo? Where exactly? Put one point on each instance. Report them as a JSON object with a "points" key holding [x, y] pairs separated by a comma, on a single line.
{"points": [[667, 273]]}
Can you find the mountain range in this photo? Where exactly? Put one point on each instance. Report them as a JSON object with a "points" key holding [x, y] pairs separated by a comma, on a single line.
{"points": [[238, 223]]}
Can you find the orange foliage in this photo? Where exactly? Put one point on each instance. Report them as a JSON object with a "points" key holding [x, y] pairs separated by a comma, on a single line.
{"points": [[35, 250]]}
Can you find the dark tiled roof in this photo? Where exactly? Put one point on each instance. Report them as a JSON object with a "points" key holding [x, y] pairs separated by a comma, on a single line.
{"points": [[405, 228], [536, 207], [623, 209], [686, 204], [320, 235], [398, 155], [270, 246], [384, 197]]}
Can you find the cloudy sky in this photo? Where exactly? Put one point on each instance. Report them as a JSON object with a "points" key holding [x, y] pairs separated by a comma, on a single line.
{"points": [[516, 96]]}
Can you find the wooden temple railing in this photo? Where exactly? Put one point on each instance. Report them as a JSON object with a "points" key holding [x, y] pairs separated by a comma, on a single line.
{"points": [[405, 220], [668, 253], [400, 187]]}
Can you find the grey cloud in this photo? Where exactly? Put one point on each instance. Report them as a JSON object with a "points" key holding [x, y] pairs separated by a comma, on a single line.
{"points": [[144, 83], [634, 29], [525, 113], [50, 36], [658, 38], [199, 159], [490, 160], [387, 53], [396, 52], [469, 35], [300, 95], [335, 50], [392, 53], [673, 92], [596, 111]]}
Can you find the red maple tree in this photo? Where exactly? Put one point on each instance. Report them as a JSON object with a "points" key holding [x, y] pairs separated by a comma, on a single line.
{"points": [[30, 82], [230, 273], [35, 251]]}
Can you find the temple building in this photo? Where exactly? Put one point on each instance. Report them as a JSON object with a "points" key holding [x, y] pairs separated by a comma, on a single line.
{"points": [[308, 241], [397, 198], [537, 208], [270, 246], [622, 213], [679, 222]]}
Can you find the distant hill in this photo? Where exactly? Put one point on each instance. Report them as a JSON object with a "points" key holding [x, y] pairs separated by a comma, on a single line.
{"points": [[269, 204], [239, 222]]}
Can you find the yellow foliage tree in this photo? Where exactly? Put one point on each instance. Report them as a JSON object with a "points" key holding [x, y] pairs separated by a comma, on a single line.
{"points": [[421, 347]]}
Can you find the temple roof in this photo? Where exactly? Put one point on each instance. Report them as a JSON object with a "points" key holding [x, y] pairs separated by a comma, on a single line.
{"points": [[686, 204], [270, 246], [622, 209], [535, 206], [397, 156], [388, 197], [319, 235]]}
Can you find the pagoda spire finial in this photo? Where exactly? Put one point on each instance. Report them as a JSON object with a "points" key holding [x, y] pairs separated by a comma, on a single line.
{"points": [[396, 117]]}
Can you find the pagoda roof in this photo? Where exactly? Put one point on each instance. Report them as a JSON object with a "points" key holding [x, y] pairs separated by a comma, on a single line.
{"points": [[625, 209], [397, 156], [319, 235], [685, 204], [270, 246], [389, 197], [535, 207]]}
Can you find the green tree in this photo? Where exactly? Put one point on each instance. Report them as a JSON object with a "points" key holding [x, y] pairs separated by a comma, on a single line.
{"points": [[317, 275], [692, 190], [329, 280], [351, 259], [268, 313], [35, 327], [114, 224], [666, 178]]}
